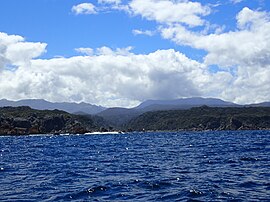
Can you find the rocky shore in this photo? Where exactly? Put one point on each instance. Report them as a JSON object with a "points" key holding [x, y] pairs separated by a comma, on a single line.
{"points": [[24, 120]]}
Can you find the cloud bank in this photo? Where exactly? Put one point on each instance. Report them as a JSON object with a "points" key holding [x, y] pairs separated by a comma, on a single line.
{"points": [[245, 51], [108, 77], [121, 78]]}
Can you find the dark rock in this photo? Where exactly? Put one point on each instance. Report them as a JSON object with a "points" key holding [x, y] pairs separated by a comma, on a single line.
{"points": [[34, 130], [21, 123], [103, 129], [51, 124], [20, 131], [234, 124], [213, 125]]}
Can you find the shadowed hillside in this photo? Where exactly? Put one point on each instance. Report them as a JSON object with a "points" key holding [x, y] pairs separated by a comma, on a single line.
{"points": [[24, 120], [204, 118], [119, 117]]}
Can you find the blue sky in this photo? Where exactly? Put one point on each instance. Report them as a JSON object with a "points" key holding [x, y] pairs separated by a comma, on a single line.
{"points": [[52, 22], [174, 27]]}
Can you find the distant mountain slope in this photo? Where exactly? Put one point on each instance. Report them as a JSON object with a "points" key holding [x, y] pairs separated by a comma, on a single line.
{"points": [[184, 103], [118, 117], [43, 105], [263, 104], [204, 118]]}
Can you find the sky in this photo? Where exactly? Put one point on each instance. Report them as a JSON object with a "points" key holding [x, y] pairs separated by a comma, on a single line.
{"points": [[122, 52]]}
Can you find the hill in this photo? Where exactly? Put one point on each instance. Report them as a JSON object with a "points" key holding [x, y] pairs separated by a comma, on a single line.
{"points": [[263, 104], [41, 104], [24, 120], [204, 118], [184, 103], [118, 117]]}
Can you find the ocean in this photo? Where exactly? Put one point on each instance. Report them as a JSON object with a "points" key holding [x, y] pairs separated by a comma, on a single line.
{"points": [[176, 166]]}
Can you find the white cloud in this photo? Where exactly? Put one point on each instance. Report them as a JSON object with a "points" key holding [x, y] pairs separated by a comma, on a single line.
{"points": [[250, 45], [86, 51], [145, 32], [119, 51], [242, 54], [236, 1], [84, 8], [249, 19], [245, 51], [20, 53], [166, 11], [109, 1], [109, 77], [121, 78], [251, 85], [15, 51]]}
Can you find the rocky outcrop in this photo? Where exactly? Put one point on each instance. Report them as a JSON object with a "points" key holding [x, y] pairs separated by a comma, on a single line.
{"points": [[24, 120], [234, 124], [54, 123]]}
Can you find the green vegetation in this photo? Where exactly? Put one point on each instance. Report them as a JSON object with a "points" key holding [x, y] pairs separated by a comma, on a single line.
{"points": [[24, 120], [204, 118], [118, 117]]}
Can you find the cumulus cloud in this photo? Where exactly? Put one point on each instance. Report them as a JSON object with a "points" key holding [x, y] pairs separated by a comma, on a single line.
{"points": [[242, 55], [119, 51], [84, 8], [121, 78], [15, 51], [249, 19], [108, 77], [86, 51], [245, 51], [250, 85], [163, 11], [249, 45], [166, 11]]}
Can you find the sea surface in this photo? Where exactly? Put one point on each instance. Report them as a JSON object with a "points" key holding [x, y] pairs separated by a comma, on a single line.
{"points": [[185, 166]]}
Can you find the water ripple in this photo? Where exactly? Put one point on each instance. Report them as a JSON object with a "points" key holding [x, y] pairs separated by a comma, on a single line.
{"points": [[200, 166]]}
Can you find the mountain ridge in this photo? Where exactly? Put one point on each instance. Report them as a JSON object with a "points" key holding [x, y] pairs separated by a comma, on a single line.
{"points": [[121, 116], [41, 104], [193, 101], [203, 118], [118, 117]]}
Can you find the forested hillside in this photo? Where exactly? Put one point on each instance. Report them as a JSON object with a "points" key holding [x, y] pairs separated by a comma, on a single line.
{"points": [[204, 118]]}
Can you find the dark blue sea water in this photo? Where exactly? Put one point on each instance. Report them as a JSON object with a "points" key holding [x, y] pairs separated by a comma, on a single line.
{"points": [[201, 166]]}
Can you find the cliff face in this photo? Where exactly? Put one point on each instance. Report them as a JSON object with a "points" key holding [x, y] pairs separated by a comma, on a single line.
{"points": [[204, 118], [24, 120]]}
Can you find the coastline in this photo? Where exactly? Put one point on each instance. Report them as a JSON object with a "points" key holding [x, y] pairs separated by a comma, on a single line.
{"points": [[16, 121], [129, 132]]}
